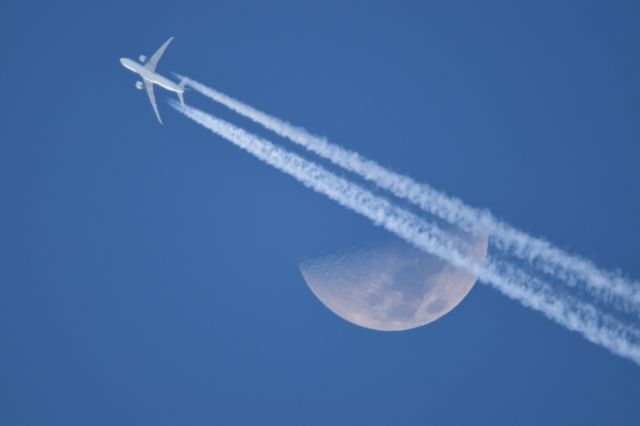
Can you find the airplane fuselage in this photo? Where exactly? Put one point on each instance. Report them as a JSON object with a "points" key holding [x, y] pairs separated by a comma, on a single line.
{"points": [[150, 76]]}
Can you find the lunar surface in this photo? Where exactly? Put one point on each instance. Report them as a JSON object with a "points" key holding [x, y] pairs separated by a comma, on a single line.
{"points": [[393, 286]]}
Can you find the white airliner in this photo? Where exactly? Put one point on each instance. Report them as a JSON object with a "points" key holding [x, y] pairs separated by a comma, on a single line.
{"points": [[150, 77]]}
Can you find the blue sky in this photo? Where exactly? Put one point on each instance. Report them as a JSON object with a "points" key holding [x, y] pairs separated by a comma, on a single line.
{"points": [[149, 273]]}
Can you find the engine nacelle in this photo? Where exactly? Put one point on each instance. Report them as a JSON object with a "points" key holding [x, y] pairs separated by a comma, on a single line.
{"points": [[142, 58], [139, 85]]}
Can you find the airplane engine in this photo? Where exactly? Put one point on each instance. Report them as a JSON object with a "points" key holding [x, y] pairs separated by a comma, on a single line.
{"points": [[139, 85], [142, 58]]}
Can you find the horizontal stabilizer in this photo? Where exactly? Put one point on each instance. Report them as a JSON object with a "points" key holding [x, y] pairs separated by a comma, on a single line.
{"points": [[181, 85]]}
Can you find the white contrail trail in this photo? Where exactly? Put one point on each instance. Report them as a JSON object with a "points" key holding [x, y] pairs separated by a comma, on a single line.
{"points": [[570, 269], [574, 315]]}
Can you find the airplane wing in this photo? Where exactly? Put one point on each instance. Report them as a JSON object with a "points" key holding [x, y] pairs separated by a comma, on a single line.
{"points": [[149, 86], [151, 63]]}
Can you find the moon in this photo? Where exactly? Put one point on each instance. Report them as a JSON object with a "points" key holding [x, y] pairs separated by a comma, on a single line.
{"points": [[392, 286]]}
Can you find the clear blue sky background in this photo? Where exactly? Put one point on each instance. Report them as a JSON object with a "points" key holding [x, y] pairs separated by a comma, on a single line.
{"points": [[148, 273]]}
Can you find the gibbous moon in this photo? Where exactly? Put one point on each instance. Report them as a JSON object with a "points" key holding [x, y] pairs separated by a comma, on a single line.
{"points": [[394, 286]]}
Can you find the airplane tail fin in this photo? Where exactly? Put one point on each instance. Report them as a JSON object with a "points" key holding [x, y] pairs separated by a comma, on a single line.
{"points": [[182, 85]]}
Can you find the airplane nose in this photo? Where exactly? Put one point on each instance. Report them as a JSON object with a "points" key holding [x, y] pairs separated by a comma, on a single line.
{"points": [[122, 61]]}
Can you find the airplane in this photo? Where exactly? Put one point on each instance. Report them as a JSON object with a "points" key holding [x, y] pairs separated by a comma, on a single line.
{"points": [[150, 77]]}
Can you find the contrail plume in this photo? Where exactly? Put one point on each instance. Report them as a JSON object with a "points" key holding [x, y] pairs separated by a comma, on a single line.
{"points": [[594, 325], [608, 287]]}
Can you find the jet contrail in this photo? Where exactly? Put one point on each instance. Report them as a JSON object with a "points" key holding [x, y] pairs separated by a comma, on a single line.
{"points": [[594, 325], [567, 268]]}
